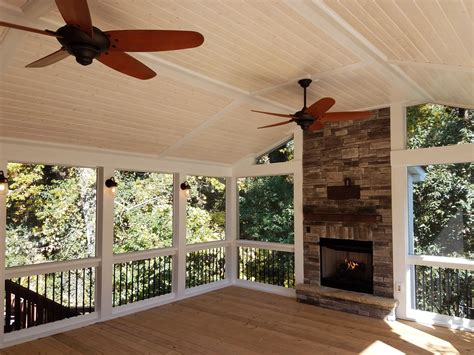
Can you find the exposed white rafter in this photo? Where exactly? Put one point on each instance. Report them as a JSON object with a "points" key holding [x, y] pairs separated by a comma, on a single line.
{"points": [[436, 66], [319, 14]]}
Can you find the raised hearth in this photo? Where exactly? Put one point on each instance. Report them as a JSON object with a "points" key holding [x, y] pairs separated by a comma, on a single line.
{"points": [[347, 301]]}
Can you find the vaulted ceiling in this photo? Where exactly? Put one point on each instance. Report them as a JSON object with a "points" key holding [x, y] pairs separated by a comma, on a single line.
{"points": [[364, 53]]}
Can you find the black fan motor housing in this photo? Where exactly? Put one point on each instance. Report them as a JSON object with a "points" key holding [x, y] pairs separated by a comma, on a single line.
{"points": [[82, 46], [304, 120]]}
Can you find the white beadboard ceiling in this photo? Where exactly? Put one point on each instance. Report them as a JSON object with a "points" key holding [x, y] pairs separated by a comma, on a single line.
{"points": [[365, 54]]}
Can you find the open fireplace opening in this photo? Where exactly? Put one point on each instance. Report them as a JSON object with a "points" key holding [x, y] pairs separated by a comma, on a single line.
{"points": [[347, 264]]}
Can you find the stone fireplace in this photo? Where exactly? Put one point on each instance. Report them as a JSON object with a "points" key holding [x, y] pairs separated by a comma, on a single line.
{"points": [[347, 212]]}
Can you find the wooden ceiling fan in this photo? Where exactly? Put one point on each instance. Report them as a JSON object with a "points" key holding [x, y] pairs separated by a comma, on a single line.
{"points": [[312, 118], [86, 42]]}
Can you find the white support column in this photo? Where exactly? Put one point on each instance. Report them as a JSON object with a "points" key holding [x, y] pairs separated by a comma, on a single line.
{"points": [[298, 206], [398, 131], [3, 235], [231, 230], [105, 242], [179, 236], [401, 271]]}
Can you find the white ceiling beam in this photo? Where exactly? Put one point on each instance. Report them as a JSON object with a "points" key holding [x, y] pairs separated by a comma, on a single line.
{"points": [[197, 130], [435, 66], [320, 15]]}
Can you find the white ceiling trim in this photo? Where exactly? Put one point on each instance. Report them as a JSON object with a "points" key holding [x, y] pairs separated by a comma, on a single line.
{"points": [[461, 68], [234, 104], [318, 13]]}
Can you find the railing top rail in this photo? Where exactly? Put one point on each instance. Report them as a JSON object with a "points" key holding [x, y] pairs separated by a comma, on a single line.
{"points": [[143, 254], [441, 261], [50, 267], [207, 245], [266, 245]]}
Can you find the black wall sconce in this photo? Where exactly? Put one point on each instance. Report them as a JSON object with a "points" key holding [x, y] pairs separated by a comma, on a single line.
{"points": [[3, 182], [185, 186], [111, 184]]}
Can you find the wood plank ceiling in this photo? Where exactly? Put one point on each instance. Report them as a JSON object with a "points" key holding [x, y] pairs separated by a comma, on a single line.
{"points": [[365, 54]]}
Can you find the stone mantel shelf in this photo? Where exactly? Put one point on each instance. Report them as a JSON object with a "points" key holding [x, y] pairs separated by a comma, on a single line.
{"points": [[310, 218]]}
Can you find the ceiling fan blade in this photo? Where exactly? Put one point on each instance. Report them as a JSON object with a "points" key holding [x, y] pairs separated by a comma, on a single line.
{"points": [[316, 126], [320, 106], [49, 59], [126, 64], [29, 29], [346, 116], [274, 114], [153, 40], [76, 13], [277, 124]]}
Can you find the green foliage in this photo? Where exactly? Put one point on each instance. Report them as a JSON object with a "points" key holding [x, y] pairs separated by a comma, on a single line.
{"points": [[205, 211], [266, 208], [442, 204], [282, 153], [50, 213], [431, 125], [143, 211]]}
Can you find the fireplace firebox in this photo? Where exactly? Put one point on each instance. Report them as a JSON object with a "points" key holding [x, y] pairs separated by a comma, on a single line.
{"points": [[347, 264]]}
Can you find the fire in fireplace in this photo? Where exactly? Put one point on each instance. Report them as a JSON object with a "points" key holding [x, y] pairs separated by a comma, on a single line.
{"points": [[347, 264]]}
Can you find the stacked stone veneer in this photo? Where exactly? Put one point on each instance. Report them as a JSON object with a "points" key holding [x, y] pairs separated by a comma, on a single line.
{"points": [[361, 151]]}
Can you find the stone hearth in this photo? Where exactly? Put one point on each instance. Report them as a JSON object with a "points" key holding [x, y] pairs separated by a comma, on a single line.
{"points": [[359, 151]]}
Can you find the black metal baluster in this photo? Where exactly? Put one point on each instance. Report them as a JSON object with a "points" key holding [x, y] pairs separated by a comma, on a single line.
{"points": [[466, 305], [120, 284], [69, 290], [458, 292], [448, 291], [432, 290], [77, 286], [273, 267], [62, 287], [83, 290], [170, 275], [90, 289], [148, 278], [424, 290], [160, 278], [113, 285], [126, 284], [417, 287], [132, 264], [440, 289]]}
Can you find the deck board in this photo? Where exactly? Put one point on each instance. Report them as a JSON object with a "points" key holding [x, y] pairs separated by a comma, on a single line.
{"points": [[241, 321]]}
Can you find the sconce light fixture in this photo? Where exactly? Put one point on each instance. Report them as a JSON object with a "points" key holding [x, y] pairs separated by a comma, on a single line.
{"points": [[3, 182], [185, 186], [111, 184]]}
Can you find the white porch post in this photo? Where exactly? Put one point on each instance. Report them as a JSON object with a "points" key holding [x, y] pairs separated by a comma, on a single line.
{"points": [[231, 229], [401, 271], [105, 242], [298, 206], [3, 235], [179, 236]]}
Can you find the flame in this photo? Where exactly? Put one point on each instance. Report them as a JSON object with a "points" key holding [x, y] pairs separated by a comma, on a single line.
{"points": [[351, 265]]}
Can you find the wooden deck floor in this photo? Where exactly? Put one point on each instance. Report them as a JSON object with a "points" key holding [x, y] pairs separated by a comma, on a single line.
{"points": [[239, 321]]}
